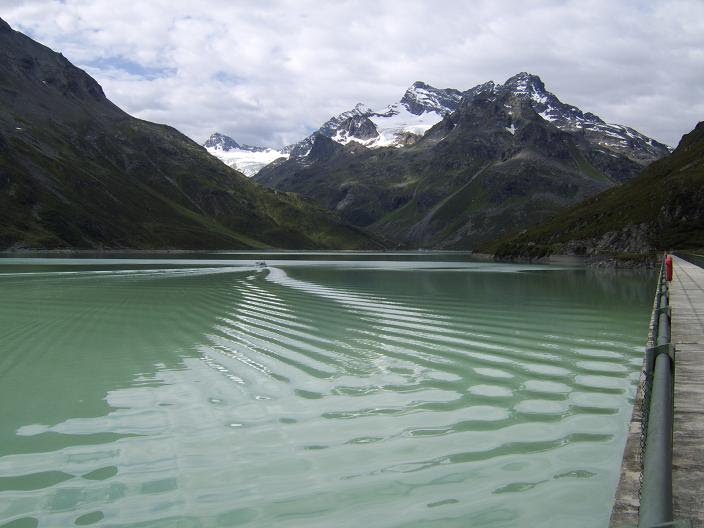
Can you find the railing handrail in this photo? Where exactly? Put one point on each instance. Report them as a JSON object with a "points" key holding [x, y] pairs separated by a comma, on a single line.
{"points": [[656, 488]]}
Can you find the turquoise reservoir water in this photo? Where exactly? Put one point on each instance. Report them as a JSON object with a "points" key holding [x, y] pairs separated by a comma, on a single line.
{"points": [[318, 391]]}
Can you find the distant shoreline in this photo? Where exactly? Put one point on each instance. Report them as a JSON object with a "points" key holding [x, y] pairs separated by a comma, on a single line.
{"points": [[615, 261], [607, 261], [235, 251]]}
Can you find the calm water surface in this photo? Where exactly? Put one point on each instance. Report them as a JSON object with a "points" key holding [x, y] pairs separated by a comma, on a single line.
{"points": [[319, 391]]}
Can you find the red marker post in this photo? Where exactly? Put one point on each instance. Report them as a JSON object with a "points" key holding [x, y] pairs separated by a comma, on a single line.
{"points": [[668, 268]]}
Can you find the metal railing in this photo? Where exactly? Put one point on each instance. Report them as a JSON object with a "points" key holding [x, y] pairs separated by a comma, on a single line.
{"points": [[658, 414]]}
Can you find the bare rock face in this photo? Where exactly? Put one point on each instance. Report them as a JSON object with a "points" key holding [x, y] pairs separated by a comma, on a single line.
{"points": [[632, 238]]}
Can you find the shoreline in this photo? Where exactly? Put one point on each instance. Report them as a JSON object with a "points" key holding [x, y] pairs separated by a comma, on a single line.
{"points": [[613, 261], [85, 252]]}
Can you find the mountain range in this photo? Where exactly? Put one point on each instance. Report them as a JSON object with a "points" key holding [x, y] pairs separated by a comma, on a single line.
{"points": [[399, 124], [423, 106], [78, 172], [499, 157]]}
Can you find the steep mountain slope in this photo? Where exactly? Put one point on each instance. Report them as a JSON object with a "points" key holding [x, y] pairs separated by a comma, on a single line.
{"points": [[76, 171], [489, 167], [662, 208], [611, 138]]}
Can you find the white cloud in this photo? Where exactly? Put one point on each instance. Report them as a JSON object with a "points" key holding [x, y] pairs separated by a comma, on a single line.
{"points": [[269, 72]]}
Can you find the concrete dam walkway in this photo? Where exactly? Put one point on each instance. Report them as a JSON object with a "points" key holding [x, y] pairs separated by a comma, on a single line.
{"points": [[687, 304], [686, 301]]}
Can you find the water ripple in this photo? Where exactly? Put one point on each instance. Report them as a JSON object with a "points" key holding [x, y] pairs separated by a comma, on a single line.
{"points": [[321, 395]]}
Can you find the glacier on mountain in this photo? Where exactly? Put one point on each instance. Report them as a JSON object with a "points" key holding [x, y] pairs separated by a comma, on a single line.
{"points": [[248, 162]]}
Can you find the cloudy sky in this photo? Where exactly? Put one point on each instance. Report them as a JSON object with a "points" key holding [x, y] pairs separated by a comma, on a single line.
{"points": [[269, 72]]}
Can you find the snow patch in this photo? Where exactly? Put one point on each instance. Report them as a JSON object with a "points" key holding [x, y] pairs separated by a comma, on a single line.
{"points": [[546, 115], [538, 98], [397, 120], [521, 87], [511, 129], [392, 124]]}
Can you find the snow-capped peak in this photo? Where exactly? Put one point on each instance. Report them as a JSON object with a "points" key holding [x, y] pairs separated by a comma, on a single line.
{"points": [[616, 138], [399, 124], [222, 142], [526, 86], [525, 83]]}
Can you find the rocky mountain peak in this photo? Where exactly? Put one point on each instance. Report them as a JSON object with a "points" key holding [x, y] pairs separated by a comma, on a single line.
{"points": [[330, 127], [359, 127], [617, 139], [4, 26], [525, 83], [422, 97], [221, 142], [487, 87]]}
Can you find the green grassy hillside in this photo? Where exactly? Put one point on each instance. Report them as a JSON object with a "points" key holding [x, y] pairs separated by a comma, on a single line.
{"points": [[78, 172], [662, 208]]}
